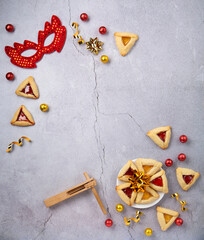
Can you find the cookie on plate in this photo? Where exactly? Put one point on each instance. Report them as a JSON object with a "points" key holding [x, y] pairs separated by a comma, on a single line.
{"points": [[126, 193], [159, 182]]}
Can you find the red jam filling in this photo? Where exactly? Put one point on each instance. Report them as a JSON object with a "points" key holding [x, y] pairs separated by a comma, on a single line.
{"points": [[129, 172], [188, 178], [162, 136], [28, 89], [22, 117], [128, 192], [157, 181]]}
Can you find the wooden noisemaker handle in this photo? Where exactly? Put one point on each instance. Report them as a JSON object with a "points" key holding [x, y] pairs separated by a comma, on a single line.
{"points": [[96, 195]]}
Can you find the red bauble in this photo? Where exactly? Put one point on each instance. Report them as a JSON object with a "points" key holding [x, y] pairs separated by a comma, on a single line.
{"points": [[183, 138], [169, 162], [9, 76], [108, 223], [84, 17], [9, 28], [102, 30], [179, 221], [181, 157]]}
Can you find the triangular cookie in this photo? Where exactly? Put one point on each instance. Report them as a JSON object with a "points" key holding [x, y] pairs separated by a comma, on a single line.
{"points": [[127, 171], [159, 182], [148, 166], [126, 193], [28, 89], [186, 177], [125, 41], [146, 197], [161, 136], [166, 217], [22, 117]]}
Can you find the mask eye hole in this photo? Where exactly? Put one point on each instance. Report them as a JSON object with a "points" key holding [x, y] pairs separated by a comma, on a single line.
{"points": [[28, 53], [49, 40]]}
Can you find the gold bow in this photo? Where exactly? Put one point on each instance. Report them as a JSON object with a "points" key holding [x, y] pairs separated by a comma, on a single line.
{"points": [[136, 219], [139, 181], [94, 45], [183, 203]]}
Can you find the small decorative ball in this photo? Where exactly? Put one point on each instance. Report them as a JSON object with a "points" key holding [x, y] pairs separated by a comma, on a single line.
{"points": [[10, 76], [148, 231], [179, 221], [169, 162], [44, 107], [181, 157], [9, 28], [102, 30], [183, 138], [104, 59], [84, 17], [119, 207], [108, 223]]}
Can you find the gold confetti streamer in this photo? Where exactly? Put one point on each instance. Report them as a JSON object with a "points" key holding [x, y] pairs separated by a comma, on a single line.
{"points": [[136, 219], [139, 181], [76, 35], [19, 143], [183, 203]]}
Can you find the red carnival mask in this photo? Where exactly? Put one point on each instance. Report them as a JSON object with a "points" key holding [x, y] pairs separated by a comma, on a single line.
{"points": [[56, 45]]}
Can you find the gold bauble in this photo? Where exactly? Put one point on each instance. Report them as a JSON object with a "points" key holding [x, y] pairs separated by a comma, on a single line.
{"points": [[104, 58], [119, 207], [148, 231], [44, 107]]}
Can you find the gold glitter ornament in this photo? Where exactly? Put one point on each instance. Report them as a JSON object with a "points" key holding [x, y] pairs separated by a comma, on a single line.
{"points": [[104, 59], [94, 45], [43, 107], [119, 207], [148, 231]]}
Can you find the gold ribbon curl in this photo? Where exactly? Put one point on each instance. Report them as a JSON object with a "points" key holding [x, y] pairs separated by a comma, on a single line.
{"points": [[19, 143], [136, 219], [76, 35], [183, 203], [139, 181]]}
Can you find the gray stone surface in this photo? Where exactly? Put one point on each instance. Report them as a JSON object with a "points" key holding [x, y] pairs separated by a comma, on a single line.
{"points": [[99, 114]]}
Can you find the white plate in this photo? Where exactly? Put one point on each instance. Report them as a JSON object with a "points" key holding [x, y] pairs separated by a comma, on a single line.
{"points": [[135, 205]]}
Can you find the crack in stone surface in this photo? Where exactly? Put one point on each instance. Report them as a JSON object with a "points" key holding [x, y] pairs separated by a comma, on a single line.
{"points": [[177, 236], [100, 145], [44, 226], [70, 14], [36, 2], [126, 227], [70, 25], [127, 114], [130, 234]]}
